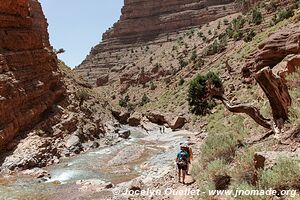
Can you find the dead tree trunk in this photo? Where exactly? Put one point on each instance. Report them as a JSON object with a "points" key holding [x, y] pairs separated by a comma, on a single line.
{"points": [[251, 111], [277, 93]]}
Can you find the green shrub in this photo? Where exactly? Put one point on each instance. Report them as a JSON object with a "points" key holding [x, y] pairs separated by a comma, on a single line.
{"points": [[237, 35], [285, 174], [200, 34], [219, 25], [216, 47], [131, 106], [282, 15], [256, 16], [218, 146], [249, 36], [152, 86], [193, 56], [199, 63], [272, 6], [182, 63], [215, 32], [82, 95], [145, 100], [229, 31], [238, 23], [123, 102], [225, 21], [181, 81], [245, 169], [198, 97]]}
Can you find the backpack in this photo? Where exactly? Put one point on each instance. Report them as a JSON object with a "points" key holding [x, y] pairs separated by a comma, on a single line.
{"points": [[182, 158]]}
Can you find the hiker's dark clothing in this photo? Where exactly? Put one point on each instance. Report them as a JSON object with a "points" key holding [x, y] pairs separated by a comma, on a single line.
{"points": [[182, 160]]}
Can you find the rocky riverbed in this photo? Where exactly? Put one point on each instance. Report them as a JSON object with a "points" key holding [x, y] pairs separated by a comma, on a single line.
{"points": [[142, 160]]}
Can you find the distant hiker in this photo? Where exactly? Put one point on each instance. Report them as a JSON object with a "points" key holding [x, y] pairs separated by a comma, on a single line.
{"points": [[160, 129], [163, 129], [182, 162], [190, 155]]}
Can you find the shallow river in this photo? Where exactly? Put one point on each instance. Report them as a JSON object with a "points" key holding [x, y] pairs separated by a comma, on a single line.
{"points": [[147, 155]]}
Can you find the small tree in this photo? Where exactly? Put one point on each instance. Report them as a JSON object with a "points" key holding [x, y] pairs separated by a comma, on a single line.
{"points": [[203, 88], [225, 21], [82, 95], [152, 86], [256, 16], [182, 63], [59, 51], [249, 36], [181, 81], [145, 100], [194, 56], [123, 102], [198, 97]]}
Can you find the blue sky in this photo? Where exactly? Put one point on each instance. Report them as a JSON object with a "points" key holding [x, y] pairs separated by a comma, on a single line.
{"points": [[78, 25]]}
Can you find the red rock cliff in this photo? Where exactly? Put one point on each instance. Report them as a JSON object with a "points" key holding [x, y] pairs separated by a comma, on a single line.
{"points": [[29, 80], [145, 21]]}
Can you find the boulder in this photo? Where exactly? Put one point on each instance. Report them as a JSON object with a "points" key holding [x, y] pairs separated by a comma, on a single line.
{"points": [[288, 65], [274, 49], [156, 118], [33, 151], [177, 122], [102, 80], [134, 119], [72, 141], [121, 116]]}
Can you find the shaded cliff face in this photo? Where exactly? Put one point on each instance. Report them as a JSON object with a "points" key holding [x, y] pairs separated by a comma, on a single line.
{"points": [[29, 80], [145, 22]]}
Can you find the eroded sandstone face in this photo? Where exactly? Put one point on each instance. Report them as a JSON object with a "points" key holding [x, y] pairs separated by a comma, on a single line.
{"points": [[146, 22], [271, 52], [29, 80]]}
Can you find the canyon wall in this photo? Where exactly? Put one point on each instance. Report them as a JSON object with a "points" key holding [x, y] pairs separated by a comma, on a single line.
{"points": [[146, 22], [29, 79]]}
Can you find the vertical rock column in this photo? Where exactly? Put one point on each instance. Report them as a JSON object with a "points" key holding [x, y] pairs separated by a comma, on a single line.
{"points": [[29, 78]]}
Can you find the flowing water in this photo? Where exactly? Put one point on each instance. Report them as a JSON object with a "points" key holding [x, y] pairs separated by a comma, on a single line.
{"points": [[147, 155]]}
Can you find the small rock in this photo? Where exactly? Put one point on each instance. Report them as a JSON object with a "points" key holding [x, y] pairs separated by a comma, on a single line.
{"points": [[95, 145], [124, 134], [72, 141], [109, 185]]}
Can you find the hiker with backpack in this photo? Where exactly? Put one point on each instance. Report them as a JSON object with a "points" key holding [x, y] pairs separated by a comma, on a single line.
{"points": [[190, 155], [182, 163]]}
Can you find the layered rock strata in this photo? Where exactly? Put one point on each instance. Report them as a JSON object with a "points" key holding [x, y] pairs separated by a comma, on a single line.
{"points": [[147, 22], [29, 80], [271, 52]]}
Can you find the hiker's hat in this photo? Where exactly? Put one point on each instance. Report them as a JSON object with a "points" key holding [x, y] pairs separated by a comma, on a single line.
{"points": [[186, 143]]}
